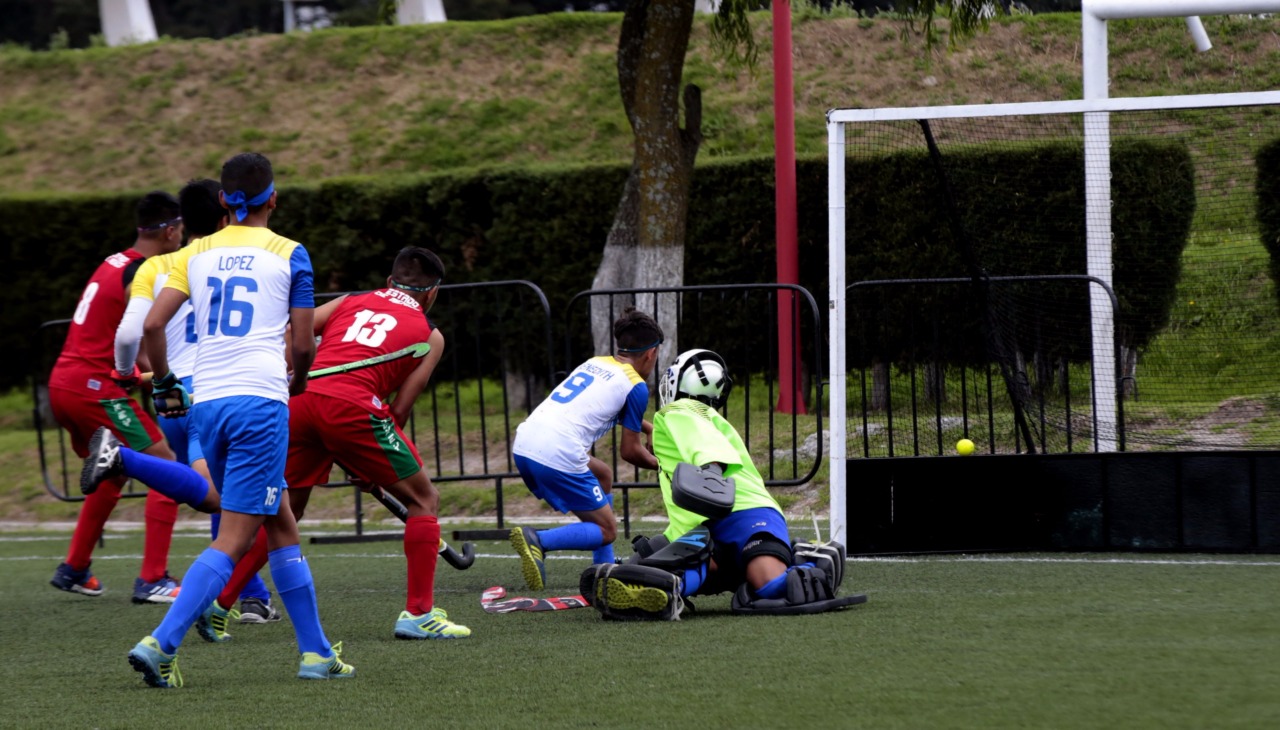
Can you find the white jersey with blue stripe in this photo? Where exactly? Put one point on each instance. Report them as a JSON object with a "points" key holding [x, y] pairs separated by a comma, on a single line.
{"points": [[180, 333], [242, 282], [598, 394]]}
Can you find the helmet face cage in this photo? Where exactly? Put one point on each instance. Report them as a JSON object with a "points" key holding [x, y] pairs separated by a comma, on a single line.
{"points": [[698, 374]]}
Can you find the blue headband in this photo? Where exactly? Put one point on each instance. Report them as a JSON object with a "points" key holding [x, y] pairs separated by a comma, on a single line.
{"points": [[633, 350], [241, 205]]}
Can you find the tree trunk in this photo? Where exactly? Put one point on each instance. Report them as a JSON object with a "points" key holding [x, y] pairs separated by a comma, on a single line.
{"points": [[645, 247]]}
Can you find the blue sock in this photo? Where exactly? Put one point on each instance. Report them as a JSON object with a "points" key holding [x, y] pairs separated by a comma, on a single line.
{"points": [[256, 588], [203, 581], [578, 536], [215, 520], [298, 592], [602, 554], [693, 580], [178, 482], [776, 588]]}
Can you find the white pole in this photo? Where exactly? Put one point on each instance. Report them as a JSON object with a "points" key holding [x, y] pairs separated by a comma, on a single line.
{"points": [[409, 12], [1097, 212], [836, 314], [126, 21], [1198, 34]]}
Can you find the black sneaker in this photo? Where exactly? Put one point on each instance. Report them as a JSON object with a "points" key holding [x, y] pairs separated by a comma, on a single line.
{"points": [[258, 611], [103, 461]]}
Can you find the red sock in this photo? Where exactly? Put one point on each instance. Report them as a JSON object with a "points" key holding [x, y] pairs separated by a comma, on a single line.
{"points": [[94, 512], [421, 551], [248, 567], [161, 513]]}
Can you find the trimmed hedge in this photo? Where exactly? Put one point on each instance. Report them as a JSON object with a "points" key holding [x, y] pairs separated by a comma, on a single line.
{"points": [[549, 225]]}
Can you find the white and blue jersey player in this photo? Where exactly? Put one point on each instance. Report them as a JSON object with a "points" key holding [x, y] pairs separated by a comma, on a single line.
{"points": [[246, 284], [552, 448]]}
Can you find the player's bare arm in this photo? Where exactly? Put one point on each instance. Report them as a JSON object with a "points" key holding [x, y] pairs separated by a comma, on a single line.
{"points": [[633, 450], [302, 346], [322, 312], [153, 337], [417, 380]]}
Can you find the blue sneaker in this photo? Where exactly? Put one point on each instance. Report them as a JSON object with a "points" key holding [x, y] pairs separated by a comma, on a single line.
{"points": [[529, 548], [103, 461], [83, 582], [315, 666], [164, 590], [434, 624], [212, 624], [158, 669]]}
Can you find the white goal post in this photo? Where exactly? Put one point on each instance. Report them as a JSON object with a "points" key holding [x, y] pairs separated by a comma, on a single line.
{"points": [[1096, 109]]}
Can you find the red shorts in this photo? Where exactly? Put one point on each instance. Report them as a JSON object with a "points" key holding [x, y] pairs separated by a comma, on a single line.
{"points": [[324, 430], [81, 411]]}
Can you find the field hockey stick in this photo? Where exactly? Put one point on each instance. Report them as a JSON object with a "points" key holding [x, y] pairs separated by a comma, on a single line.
{"points": [[416, 350], [452, 557], [494, 600]]}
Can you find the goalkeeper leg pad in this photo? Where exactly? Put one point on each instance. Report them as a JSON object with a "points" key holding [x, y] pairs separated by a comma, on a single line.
{"points": [[632, 592], [808, 591], [829, 556], [688, 551]]}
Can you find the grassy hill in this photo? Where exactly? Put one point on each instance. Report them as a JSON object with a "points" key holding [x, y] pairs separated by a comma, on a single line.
{"points": [[539, 90]]}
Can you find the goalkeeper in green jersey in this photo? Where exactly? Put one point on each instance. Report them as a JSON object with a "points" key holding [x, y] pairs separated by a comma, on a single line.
{"points": [[725, 531]]}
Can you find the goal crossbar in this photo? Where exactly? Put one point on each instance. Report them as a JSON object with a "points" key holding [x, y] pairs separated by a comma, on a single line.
{"points": [[1074, 106]]}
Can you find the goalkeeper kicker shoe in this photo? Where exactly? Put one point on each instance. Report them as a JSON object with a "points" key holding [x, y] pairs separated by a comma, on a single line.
{"points": [[158, 669], [163, 590], [529, 548], [103, 462], [315, 666], [257, 611], [83, 582], [212, 624], [434, 624]]}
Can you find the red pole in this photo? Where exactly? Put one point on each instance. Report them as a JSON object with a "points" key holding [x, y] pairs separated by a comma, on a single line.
{"points": [[790, 389]]}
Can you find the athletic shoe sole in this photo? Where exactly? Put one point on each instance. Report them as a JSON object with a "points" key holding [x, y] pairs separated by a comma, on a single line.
{"points": [[533, 577], [624, 595], [91, 476]]}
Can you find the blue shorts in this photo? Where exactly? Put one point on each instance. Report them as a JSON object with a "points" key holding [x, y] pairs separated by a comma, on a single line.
{"points": [[563, 491], [733, 532], [182, 435], [245, 440]]}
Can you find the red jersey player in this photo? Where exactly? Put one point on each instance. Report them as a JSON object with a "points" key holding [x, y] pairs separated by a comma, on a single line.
{"points": [[84, 394], [352, 415]]}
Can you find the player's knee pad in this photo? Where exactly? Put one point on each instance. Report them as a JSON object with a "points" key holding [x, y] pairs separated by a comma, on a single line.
{"points": [[690, 550], [632, 592], [763, 544], [643, 546], [829, 556]]}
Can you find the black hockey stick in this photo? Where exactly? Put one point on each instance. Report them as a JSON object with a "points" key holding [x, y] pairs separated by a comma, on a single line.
{"points": [[452, 557]]}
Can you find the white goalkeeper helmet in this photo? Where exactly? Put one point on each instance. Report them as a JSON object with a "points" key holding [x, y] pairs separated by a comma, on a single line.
{"points": [[698, 374]]}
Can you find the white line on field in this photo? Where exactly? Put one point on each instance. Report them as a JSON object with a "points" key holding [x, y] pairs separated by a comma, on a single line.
{"points": [[1241, 562]]}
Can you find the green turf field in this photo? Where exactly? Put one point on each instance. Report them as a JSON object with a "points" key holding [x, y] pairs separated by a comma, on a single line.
{"points": [[993, 641]]}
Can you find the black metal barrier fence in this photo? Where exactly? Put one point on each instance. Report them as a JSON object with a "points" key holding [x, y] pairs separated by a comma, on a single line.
{"points": [[499, 363]]}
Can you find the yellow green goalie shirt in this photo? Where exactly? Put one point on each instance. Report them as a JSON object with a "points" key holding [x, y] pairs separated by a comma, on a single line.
{"points": [[689, 431]]}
